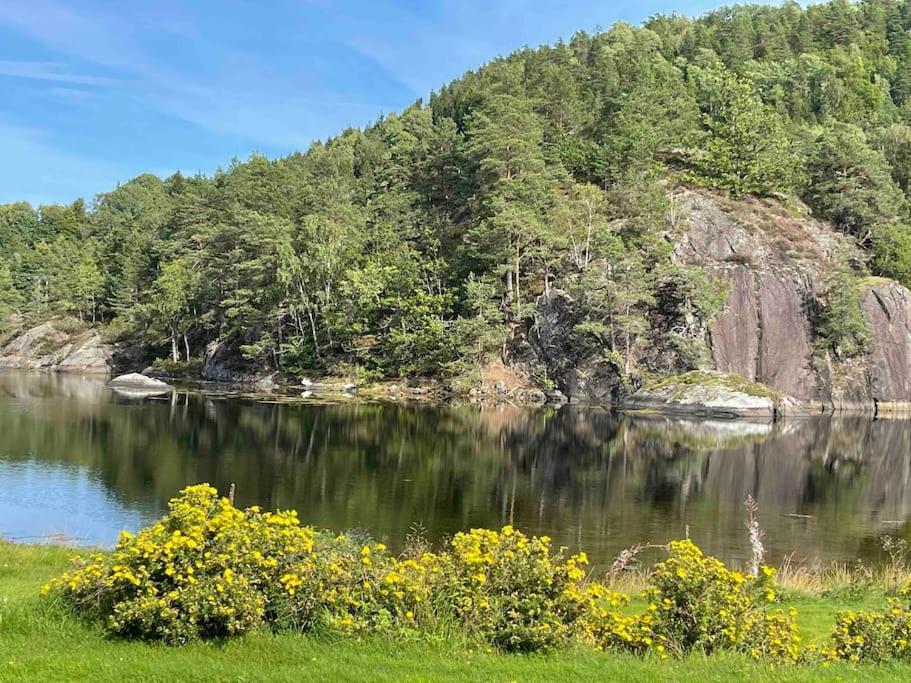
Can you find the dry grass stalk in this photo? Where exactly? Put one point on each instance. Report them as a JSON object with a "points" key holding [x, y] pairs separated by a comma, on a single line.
{"points": [[757, 557]]}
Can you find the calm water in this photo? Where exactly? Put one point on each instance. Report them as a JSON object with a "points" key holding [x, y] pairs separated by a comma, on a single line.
{"points": [[78, 461]]}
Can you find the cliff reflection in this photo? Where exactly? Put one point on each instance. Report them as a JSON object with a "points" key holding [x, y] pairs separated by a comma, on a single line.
{"points": [[586, 477]]}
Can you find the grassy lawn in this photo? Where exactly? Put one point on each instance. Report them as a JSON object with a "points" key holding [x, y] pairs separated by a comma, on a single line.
{"points": [[41, 642]]}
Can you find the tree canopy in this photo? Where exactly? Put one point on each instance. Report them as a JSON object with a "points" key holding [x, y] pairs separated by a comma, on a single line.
{"points": [[419, 244]]}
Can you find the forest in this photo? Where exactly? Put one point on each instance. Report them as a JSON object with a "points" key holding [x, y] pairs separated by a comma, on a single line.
{"points": [[419, 245]]}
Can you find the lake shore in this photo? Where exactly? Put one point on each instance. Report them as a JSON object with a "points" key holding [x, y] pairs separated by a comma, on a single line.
{"points": [[41, 640]]}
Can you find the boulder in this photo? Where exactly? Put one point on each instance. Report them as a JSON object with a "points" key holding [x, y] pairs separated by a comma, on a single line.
{"points": [[135, 383], [135, 379]]}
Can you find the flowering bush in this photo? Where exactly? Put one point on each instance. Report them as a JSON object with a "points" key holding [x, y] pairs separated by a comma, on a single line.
{"points": [[205, 570], [873, 635], [699, 604], [354, 587], [510, 589]]}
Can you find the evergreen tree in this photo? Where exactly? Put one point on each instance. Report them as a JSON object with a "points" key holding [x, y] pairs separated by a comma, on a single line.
{"points": [[747, 150], [849, 183]]}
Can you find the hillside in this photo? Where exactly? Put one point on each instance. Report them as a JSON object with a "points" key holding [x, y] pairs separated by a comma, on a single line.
{"points": [[721, 199]]}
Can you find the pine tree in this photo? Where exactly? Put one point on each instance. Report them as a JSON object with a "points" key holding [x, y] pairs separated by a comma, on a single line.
{"points": [[747, 151], [849, 183]]}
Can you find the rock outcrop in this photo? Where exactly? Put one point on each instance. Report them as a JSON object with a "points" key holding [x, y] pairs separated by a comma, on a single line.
{"points": [[47, 347], [224, 362], [773, 263], [578, 370], [706, 400], [776, 260]]}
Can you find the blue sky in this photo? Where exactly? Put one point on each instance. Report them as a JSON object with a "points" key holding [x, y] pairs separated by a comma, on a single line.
{"points": [[96, 92]]}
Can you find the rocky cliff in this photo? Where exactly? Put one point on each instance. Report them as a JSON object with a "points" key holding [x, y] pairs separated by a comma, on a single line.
{"points": [[54, 346], [775, 259]]}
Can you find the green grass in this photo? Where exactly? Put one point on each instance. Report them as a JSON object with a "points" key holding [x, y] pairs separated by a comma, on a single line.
{"points": [[865, 283], [40, 641]]}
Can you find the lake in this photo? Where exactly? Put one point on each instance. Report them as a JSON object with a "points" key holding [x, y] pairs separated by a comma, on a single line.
{"points": [[79, 463]]}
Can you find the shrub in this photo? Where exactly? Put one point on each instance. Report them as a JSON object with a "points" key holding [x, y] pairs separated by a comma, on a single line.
{"points": [[511, 590], [697, 603], [354, 587], [178, 368], [209, 570], [204, 571], [873, 636]]}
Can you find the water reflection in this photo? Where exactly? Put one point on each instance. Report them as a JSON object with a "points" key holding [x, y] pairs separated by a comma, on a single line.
{"points": [[75, 458]]}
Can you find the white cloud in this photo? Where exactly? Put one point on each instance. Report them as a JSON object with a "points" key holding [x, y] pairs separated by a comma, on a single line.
{"points": [[53, 71]]}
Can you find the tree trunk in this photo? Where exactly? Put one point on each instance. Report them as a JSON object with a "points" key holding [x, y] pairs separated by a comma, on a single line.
{"points": [[518, 296], [175, 354], [313, 331], [186, 346]]}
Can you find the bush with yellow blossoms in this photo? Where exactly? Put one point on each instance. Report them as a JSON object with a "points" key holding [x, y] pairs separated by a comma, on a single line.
{"points": [[206, 570], [873, 636], [354, 586], [696, 603], [514, 592]]}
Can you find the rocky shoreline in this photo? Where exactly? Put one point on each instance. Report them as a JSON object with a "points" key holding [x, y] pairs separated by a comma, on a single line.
{"points": [[687, 400], [760, 360]]}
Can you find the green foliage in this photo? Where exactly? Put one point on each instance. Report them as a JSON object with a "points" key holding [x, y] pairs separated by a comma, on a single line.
{"points": [[747, 151], [699, 604], [891, 252], [512, 591], [10, 298], [209, 570], [849, 183], [838, 321], [201, 572]]}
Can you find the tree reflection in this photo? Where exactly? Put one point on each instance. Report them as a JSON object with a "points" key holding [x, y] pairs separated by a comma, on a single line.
{"points": [[586, 477]]}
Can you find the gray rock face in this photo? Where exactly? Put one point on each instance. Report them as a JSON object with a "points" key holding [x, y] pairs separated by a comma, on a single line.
{"points": [[772, 262], [776, 260], [46, 347], [580, 373], [223, 363], [775, 264], [887, 310], [735, 338], [785, 351]]}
